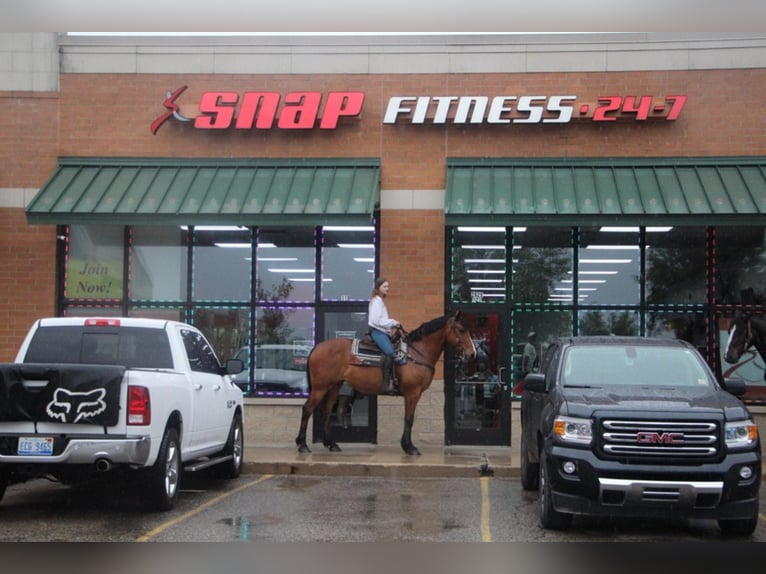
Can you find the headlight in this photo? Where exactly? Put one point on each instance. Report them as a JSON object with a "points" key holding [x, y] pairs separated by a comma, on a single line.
{"points": [[572, 430], [741, 434]]}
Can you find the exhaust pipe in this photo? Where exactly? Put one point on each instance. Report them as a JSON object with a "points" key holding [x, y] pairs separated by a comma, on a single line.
{"points": [[103, 465]]}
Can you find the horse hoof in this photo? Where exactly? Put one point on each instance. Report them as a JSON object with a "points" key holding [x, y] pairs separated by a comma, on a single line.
{"points": [[304, 449], [333, 447]]}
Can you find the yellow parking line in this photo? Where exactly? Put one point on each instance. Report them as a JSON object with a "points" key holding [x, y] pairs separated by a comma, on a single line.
{"points": [[154, 532], [486, 534]]}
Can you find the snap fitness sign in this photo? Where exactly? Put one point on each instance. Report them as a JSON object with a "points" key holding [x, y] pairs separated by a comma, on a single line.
{"points": [[316, 110]]}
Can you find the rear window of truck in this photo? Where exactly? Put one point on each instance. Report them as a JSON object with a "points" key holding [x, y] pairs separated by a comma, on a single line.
{"points": [[134, 348]]}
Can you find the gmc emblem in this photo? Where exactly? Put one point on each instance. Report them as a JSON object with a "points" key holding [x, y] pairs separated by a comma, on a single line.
{"points": [[660, 438]]}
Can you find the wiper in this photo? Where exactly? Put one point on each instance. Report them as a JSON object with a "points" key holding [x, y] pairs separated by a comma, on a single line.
{"points": [[582, 386]]}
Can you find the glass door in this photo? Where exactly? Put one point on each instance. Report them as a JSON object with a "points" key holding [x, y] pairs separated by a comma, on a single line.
{"points": [[354, 415], [477, 393]]}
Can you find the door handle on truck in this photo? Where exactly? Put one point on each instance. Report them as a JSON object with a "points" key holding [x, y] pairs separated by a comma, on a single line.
{"points": [[197, 387], [216, 387]]}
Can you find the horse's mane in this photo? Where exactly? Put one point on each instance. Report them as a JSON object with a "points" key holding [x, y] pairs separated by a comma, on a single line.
{"points": [[428, 327]]}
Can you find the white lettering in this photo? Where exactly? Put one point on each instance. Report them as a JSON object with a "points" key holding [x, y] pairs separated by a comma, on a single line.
{"points": [[396, 107], [564, 112], [499, 108]]}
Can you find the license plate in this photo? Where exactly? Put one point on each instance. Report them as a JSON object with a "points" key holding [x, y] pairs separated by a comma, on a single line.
{"points": [[36, 446]]}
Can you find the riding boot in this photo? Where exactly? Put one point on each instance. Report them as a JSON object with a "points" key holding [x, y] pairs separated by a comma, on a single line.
{"points": [[388, 383]]}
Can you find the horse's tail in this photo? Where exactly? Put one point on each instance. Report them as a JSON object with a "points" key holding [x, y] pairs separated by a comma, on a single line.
{"points": [[308, 369]]}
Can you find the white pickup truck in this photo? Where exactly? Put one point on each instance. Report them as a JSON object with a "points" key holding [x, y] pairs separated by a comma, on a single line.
{"points": [[86, 396]]}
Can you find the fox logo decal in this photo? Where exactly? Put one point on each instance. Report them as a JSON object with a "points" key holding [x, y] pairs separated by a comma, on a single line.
{"points": [[71, 407]]}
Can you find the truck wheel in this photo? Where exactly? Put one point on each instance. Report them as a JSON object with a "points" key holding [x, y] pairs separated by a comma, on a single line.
{"points": [[3, 482], [530, 471], [739, 528], [235, 447], [164, 478], [550, 518]]}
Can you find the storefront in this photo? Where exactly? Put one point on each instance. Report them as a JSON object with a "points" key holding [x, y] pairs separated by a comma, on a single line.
{"points": [[550, 184]]}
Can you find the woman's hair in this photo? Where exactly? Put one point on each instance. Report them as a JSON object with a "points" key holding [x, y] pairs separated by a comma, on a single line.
{"points": [[376, 289]]}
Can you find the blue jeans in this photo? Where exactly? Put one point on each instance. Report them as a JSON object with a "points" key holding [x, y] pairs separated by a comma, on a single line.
{"points": [[383, 341]]}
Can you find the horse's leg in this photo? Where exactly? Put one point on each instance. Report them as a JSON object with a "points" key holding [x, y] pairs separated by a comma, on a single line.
{"points": [[410, 402], [329, 403], [308, 410]]}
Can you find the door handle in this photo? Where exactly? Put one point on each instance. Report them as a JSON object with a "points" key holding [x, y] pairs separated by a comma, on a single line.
{"points": [[197, 387], [216, 387]]}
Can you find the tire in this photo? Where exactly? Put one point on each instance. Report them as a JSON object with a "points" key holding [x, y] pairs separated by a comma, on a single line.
{"points": [[235, 447], [739, 528], [3, 482], [550, 518], [164, 478], [530, 471]]}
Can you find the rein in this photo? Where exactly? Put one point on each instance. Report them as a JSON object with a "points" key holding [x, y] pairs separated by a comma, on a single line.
{"points": [[428, 366]]}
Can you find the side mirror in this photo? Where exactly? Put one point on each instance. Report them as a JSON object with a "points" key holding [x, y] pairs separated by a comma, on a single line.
{"points": [[736, 387], [535, 382], [234, 366]]}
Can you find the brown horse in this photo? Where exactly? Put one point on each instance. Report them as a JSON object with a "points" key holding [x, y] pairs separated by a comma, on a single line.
{"points": [[331, 362]]}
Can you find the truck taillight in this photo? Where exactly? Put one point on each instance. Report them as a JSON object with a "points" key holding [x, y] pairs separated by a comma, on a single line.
{"points": [[139, 406], [102, 322]]}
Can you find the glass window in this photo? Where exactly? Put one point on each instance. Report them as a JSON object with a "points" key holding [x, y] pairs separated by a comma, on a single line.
{"points": [[675, 265], [532, 333], [348, 263], [595, 322], [609, 266], [283, 341], [542, 264], [226, 329], [222, 263], [286, 265], [94, 262], [158, 263], [740, 274], [200, 354], [690, 327], [478, 264], [167, 313]]}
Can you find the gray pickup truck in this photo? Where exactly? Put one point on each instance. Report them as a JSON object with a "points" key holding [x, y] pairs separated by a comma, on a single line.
{"points": [[637, 427]]}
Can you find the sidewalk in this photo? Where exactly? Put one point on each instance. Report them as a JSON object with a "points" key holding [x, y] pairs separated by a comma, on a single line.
{"points": [[383, 461]]}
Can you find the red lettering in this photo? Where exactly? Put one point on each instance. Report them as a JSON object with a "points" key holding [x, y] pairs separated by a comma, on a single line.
{"points": [[300, 110], [217, 109], [258, 107], [340, 104]]}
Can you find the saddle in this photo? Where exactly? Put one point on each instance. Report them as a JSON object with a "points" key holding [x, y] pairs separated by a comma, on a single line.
{"points": [[365, 351]]}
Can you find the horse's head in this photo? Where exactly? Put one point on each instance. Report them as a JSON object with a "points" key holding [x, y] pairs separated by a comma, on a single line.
{"points": [[740, 338], [459, 338]]}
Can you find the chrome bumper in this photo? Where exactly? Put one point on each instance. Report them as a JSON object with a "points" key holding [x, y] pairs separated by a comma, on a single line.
{"points": [[125, 450]]}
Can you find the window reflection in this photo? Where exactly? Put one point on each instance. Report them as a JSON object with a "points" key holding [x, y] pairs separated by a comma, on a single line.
{"points": [[478, 264], [675, 265], [542, 264], [284, 338], [348, 263], [608, 323], [222, 258], [609, 266], [286, 265], [739, 264], [225, 329], [158, 263]]}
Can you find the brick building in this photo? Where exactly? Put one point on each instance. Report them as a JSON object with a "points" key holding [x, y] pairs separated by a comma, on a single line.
{"points": [[158, 176]]}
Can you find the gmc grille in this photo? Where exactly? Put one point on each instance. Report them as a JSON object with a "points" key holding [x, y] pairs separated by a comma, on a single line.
{"points": [[686, 439]]}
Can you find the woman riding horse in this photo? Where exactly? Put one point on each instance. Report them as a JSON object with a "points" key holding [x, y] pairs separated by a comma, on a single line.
{"points": [[331, 362]]}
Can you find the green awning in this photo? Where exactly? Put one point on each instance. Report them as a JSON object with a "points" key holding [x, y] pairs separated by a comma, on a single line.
{"points": [[589, 192], [209, 191]]}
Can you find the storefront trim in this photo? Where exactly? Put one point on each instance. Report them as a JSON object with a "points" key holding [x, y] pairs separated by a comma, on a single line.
{"points": [[128, 191]]}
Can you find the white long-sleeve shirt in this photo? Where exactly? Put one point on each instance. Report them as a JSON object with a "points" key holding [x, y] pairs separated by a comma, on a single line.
{"points": [[377, 315]]}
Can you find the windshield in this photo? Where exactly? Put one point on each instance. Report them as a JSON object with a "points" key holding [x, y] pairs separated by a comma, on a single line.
{"points": [[652, 366]]}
